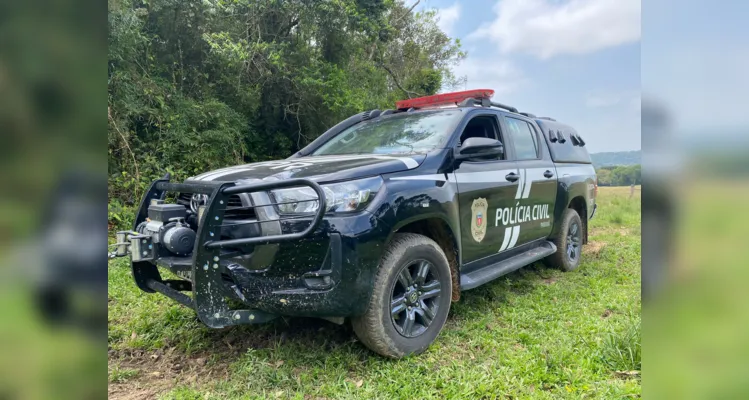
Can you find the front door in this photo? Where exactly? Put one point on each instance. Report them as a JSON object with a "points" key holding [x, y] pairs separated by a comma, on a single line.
{"points": [[484, 187]]}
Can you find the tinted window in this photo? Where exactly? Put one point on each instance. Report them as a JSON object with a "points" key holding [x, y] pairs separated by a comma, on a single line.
{"points": [[483, 127], [523, 138], [402, 133], [563, 152]]}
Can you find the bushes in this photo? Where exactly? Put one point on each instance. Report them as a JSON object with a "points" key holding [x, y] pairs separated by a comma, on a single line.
{"points": [[198, 85], [623, 175]]}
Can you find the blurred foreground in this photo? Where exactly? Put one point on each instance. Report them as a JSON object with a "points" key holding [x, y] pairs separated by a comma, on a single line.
{"points": [[695, 265], [53, 200], [695, 139], [697, 325]]}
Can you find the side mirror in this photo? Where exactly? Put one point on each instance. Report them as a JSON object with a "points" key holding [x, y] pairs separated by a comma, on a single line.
{"points": [[476, 147]]}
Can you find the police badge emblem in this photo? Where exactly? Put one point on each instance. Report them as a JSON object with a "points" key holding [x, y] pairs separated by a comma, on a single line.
{"points": [[478, 219]]}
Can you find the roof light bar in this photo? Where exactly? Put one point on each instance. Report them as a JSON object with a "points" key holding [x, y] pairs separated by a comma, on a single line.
{"points": [[444, 98]]}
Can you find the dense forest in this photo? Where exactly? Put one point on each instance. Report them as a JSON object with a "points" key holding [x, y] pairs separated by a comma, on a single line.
{"points": [[195, 85], [621, 175]]}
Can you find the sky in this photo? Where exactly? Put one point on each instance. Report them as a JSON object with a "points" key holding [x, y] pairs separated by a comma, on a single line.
{"points": [[577, 61]]}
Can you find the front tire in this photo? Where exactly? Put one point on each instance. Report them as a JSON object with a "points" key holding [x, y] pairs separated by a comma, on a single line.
{"points": [[410, 300], [569, 242]]}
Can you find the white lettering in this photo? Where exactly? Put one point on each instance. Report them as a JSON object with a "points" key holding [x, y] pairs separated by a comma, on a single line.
{"points": [[513, 214], [520, 214]]}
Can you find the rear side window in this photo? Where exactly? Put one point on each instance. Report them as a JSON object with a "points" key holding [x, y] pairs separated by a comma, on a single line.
{"points": [[563, 148], [523, 138]]}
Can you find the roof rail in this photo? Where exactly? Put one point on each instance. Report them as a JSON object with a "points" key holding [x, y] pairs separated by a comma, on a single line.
{"points": [[500, 105], [484, 102], [527, 114], [547, 118]]}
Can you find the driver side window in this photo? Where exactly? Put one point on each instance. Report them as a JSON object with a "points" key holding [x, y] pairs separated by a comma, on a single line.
{"points": [[483, 126]]}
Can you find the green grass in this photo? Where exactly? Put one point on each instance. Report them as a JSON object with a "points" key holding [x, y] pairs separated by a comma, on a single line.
{"points": [[622, 350], [120, 375], [536, 333]]}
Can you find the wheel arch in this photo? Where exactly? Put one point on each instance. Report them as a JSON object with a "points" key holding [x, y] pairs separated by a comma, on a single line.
{"points": [[579, 204], [572, 192], [438, 229]]}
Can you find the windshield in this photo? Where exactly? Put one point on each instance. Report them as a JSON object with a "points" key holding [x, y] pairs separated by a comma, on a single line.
{"points": [[404, 133]]}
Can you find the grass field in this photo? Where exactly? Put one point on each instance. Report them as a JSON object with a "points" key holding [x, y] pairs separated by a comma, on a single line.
{"points": [[536, 333]]}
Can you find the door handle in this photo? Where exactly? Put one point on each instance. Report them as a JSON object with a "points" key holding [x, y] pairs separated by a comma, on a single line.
{"points": [[512, 177], [548, 174]]}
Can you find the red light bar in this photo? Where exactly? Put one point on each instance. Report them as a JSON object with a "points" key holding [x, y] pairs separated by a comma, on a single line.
{"points": [[445, 98]]}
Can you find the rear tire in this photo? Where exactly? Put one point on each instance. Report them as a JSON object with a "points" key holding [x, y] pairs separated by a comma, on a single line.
{"points": [[411, 298], [569, 242]]}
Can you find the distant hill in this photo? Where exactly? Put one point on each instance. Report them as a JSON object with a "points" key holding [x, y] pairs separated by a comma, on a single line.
{"points": [[616, 158]]}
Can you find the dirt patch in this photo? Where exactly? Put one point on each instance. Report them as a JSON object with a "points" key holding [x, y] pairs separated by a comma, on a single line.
{"points": [[593, 247], [159, 371], [611, 230], [549, 281], [627, 374], [126, 392], [606, 313]]}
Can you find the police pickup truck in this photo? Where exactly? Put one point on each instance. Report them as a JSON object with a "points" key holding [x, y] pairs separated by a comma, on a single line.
{"points": [[384, 219]]}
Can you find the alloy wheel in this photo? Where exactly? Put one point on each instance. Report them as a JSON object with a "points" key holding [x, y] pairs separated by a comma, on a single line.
{"points": [[414, 300], [574, 239]]}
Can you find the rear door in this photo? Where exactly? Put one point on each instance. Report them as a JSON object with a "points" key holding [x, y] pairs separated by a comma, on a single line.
{"points": [[483, 188], [531, 216]]}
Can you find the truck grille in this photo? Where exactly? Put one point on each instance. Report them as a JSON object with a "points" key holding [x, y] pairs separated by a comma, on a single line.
{"points": [[235, 210], [234, 207]]}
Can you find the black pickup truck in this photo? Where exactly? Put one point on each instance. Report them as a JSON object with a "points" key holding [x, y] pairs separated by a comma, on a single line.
{"points": [[384, 219]]}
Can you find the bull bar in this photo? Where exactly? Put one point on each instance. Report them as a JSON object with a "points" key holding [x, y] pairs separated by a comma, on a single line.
{"points": [[208, 287]]}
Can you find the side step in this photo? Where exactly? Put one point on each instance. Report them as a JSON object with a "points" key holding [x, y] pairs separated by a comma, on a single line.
{"points": [[494, 271]]}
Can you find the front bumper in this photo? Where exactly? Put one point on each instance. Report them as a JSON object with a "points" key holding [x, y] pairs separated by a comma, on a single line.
{"points": [[319, 266]]}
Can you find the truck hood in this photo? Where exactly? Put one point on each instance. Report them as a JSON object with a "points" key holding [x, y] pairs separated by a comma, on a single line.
{"points": [[316, 168]]}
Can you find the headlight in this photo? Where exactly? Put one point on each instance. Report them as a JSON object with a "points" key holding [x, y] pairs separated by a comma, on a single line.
{"points": [[339, 197]]}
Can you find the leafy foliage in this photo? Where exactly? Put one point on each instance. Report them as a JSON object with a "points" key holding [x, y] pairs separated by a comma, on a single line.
{"points": [[198, 85], [620, 175]]}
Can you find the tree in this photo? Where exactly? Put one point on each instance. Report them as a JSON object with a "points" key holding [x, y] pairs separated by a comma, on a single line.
{"points": [[198, 85], [619, 175]]}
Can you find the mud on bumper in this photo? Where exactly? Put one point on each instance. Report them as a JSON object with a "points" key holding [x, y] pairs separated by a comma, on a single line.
{"points": [[315, 288]]}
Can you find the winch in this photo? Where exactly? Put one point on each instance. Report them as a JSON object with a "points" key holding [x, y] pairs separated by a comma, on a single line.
{"points": [[166, 225], [165, 228]]}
